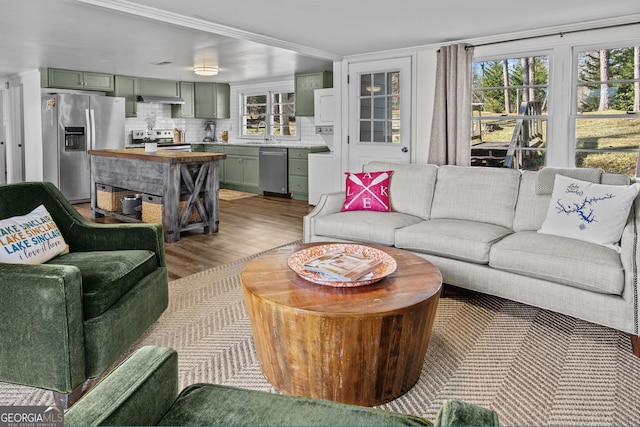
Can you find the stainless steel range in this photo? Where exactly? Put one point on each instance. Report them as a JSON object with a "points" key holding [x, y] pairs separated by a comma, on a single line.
{"points": [[164, 137]]}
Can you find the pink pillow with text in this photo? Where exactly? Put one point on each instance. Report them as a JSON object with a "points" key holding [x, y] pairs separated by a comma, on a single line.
{"points": [[367, 191]]}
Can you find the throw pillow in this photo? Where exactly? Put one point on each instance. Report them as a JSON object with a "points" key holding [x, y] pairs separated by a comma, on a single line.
{"points": [[586, 211], [30, 239], [367, 191]]}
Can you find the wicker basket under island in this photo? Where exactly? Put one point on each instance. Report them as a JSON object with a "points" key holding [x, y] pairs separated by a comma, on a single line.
{"points": [[174, 180]]}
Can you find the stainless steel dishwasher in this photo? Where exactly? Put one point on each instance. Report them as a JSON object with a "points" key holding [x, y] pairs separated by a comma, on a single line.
{"points": [[274, 170]]}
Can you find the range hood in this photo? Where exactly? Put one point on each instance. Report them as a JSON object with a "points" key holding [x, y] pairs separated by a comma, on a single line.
{"points": [[160, 99]]}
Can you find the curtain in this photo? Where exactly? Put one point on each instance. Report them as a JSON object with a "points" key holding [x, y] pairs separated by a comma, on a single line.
{"points": [[451, 128]]}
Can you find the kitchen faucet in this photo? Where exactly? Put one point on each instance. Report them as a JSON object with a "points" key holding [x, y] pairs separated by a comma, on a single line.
{"points": [[264, 125]]}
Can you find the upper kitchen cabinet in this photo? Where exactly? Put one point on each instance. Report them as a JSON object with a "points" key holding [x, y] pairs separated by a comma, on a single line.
{"points": [[157, 87], [72, 79], [186, 110], [212, 100], [127, 87], [305, 85]]}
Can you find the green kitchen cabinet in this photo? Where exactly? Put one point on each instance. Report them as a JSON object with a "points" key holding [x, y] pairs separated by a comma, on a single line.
{"points": [[212, 100], [241, 170], [213, 148], [298, 163], [72, 79], [157, 87], [305, 85], [127, 87], [186, 110], [223, 98]]}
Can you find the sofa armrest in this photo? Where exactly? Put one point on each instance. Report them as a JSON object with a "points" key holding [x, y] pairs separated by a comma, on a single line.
{"points": [[41, 326], [458, 413], [630, 257], [138, 392], [329, 203], [87, 236]]}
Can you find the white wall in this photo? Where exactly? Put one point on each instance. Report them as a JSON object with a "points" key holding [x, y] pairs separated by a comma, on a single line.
{"points": [[33, 165]]}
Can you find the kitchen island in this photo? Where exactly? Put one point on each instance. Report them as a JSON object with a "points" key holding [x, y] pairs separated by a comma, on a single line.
{"points": [[168, 177]]}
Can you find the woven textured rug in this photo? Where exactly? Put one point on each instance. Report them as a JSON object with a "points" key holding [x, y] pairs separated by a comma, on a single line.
{"points": [[532, 366]]}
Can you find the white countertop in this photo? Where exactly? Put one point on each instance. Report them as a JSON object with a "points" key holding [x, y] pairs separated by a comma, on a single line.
{"points": [[282, 144]]}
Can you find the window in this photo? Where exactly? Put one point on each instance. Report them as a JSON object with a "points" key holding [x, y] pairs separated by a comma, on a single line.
{"points": [[379, 101], [269, 115], [509, 112], [607, 114]]}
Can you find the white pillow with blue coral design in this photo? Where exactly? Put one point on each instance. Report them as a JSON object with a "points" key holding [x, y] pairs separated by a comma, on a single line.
{"points": [[595, 213]]}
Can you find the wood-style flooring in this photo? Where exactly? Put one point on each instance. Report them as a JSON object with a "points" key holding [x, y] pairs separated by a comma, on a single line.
{"points": [[248, 225]]}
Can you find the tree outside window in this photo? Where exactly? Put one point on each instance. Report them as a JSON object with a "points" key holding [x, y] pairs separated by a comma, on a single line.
{"points": [[607, 119], [509, 112], [270, 114]]}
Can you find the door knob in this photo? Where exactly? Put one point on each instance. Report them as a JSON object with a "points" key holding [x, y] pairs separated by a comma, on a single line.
{"points": [[405, 149]]}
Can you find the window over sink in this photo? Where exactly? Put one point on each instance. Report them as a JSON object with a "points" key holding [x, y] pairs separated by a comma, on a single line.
{"points": [[268, 115]]}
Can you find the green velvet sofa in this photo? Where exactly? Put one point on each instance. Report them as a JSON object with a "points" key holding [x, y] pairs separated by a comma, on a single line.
{"points": [[69, 319], [143, 390]]}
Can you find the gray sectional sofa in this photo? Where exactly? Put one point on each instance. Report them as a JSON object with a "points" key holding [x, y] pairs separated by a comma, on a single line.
{"points": [[479, 227]]}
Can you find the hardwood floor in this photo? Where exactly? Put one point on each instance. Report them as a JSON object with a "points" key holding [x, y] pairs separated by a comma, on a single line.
{"points": [[248, 225]]}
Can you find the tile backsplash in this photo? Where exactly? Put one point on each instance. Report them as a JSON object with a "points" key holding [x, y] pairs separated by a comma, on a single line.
{"points": [[195, 127]]}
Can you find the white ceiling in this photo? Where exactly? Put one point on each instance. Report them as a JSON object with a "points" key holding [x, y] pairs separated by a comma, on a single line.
{"points": [[252, 40]]}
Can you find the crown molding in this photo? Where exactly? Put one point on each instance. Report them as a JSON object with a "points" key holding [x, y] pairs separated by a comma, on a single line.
{"points": [[208, 27]]}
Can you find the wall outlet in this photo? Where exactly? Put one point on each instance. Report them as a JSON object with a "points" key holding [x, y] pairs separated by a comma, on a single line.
{"points": [[324, 130]]}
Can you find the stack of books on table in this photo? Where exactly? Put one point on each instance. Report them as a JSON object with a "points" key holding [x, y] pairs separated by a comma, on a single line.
{"points": [[339, 266]]}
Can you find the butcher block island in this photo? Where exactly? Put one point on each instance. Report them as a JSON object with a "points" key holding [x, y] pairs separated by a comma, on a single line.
{"points": [[178, 189]]}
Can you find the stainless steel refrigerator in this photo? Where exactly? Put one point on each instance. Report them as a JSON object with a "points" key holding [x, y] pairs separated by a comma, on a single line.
{"points": [[73, 124]]}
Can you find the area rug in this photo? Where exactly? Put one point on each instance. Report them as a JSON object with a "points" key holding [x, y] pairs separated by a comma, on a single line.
{"points": [[534, 367], [229, 195]]}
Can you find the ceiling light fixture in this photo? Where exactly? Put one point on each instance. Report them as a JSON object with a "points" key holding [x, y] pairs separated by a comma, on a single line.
{"points": [[205, 71]]}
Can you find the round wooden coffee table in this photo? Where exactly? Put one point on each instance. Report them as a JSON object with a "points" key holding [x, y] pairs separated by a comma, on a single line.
{"points": [[363, 345]]}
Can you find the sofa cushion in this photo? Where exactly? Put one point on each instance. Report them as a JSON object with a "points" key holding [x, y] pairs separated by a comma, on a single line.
{"points": [[411, 186], [476, 194], [571, 262], [452, 238], [547, 176], [582, 210], [364, 226], [107, 275], [531, 208], [367, 191], [218, 405]]}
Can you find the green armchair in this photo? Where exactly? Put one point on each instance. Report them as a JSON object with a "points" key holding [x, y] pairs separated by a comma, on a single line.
{"points": [[67, 320], [143, 390]]}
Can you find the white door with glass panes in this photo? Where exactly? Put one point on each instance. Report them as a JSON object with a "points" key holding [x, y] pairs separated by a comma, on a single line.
{"points": [[379, 112]]}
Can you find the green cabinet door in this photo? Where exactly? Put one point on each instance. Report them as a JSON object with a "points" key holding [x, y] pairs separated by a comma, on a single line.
{"points": [[233, 170], [65, 78], [127, 87], [212, 100], [250, 174], [205, 100], [185, 110], [73, 79], [223, 98], [305, 85], [98, 81], [157, 87]]}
